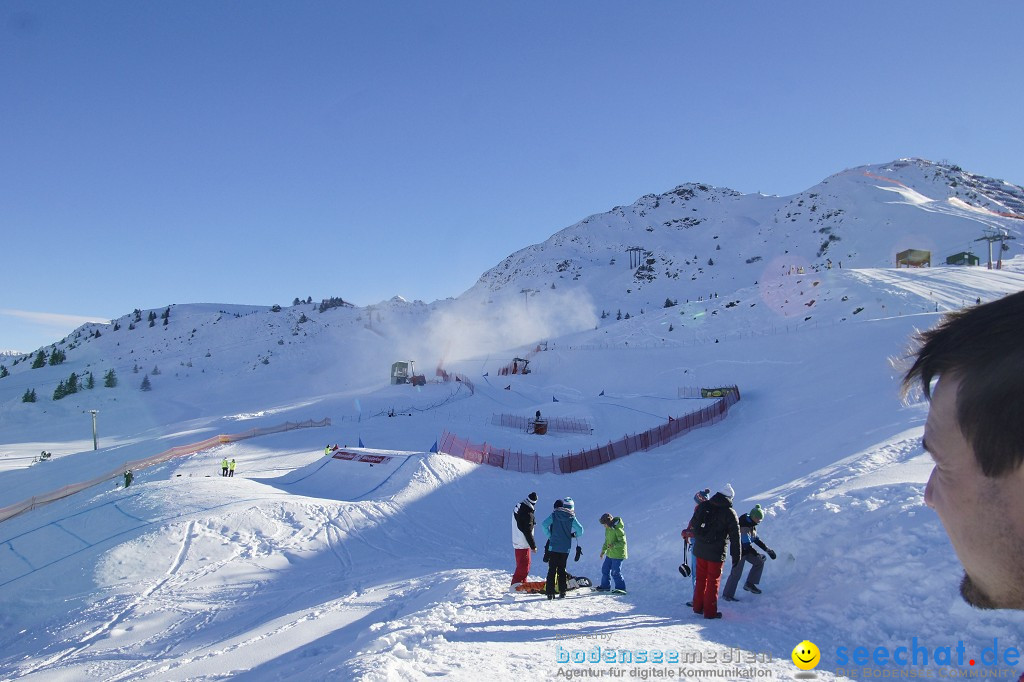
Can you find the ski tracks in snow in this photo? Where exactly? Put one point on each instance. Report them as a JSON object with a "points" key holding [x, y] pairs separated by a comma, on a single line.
{"points": [[942, 289], [121, 615]]}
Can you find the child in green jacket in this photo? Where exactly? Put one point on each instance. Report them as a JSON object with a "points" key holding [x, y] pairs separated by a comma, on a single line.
{"points": [[614, 552]]}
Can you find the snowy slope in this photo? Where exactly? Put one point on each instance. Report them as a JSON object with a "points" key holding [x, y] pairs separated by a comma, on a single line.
{"points": [[305, 566]]}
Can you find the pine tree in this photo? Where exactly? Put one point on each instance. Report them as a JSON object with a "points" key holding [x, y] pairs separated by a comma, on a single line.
{"points": [[145, 384], [156, 370], [40, 360], [4, 372], [29, 396], [60, 391], [90, 382], [110, 379]]}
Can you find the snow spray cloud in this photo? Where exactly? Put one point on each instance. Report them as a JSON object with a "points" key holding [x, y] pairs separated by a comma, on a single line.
{"points": [[475, 327]]}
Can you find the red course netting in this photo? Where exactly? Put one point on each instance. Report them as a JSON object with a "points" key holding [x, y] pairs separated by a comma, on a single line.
{"points": [[178, 451], [451, 444]]}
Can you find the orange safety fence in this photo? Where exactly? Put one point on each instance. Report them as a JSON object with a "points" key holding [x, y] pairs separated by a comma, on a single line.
{"points": [[485, 453], [177, 451], [447, 377]]}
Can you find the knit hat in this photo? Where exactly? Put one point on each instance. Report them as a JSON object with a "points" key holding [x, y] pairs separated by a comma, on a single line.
{"points": [[558, 504], [605, 518], [757, 513], [727, 491], [532, 497], [702, 495], [568, 503]]}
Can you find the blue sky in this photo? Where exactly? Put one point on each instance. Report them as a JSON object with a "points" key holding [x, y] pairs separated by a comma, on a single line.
{"points": [[254, 152]]}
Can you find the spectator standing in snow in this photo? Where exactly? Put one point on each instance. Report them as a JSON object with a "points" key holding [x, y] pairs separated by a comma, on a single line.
{"points": [[687, 533], [128, 476], [224, 467], [231, 468], [748, 538], [975, 435], [714, 523], [523, 521], [560, 527], [614, 552]]}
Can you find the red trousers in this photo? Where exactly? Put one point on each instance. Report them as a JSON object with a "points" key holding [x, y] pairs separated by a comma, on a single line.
{"points": [[522, 566], [705, 590]]}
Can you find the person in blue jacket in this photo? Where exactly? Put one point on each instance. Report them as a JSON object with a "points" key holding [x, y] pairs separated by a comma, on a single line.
{"points": [[560, 527], [748, 538]]}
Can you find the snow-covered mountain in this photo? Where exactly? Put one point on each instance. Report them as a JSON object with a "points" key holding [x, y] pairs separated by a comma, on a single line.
{"points": [[312, 567], [697, 240]]}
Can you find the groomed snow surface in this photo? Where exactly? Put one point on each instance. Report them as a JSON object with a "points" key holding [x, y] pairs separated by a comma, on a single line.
{"points": [[314, 568]]}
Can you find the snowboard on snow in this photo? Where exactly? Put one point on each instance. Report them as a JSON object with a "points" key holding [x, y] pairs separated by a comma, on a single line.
{"points": [[572, 582]]}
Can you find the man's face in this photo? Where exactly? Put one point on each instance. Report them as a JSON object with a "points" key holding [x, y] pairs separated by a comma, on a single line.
{"points": [[984, 517]]}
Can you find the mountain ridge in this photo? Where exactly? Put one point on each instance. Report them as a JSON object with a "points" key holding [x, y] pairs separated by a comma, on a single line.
{"points": [[688, 257]]}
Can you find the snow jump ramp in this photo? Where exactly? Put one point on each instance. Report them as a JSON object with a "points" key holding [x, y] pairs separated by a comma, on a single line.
{"points": [[348, 474]]}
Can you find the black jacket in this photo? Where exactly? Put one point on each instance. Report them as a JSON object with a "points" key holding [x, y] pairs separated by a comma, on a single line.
{"points": [[525, 520], [724, 526]]}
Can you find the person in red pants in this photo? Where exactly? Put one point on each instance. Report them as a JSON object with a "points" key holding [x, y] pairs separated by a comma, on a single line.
{"points": [[523, 522], [714, 523]]}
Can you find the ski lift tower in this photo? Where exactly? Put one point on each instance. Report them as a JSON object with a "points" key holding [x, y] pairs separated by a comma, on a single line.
{"points": [[996, 235]]}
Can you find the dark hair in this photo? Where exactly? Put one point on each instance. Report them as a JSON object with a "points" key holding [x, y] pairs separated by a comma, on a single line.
{"points": [[982, 347]]}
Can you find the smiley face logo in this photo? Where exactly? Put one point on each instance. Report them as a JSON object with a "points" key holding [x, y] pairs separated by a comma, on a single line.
{"points": [[806, 655]]}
